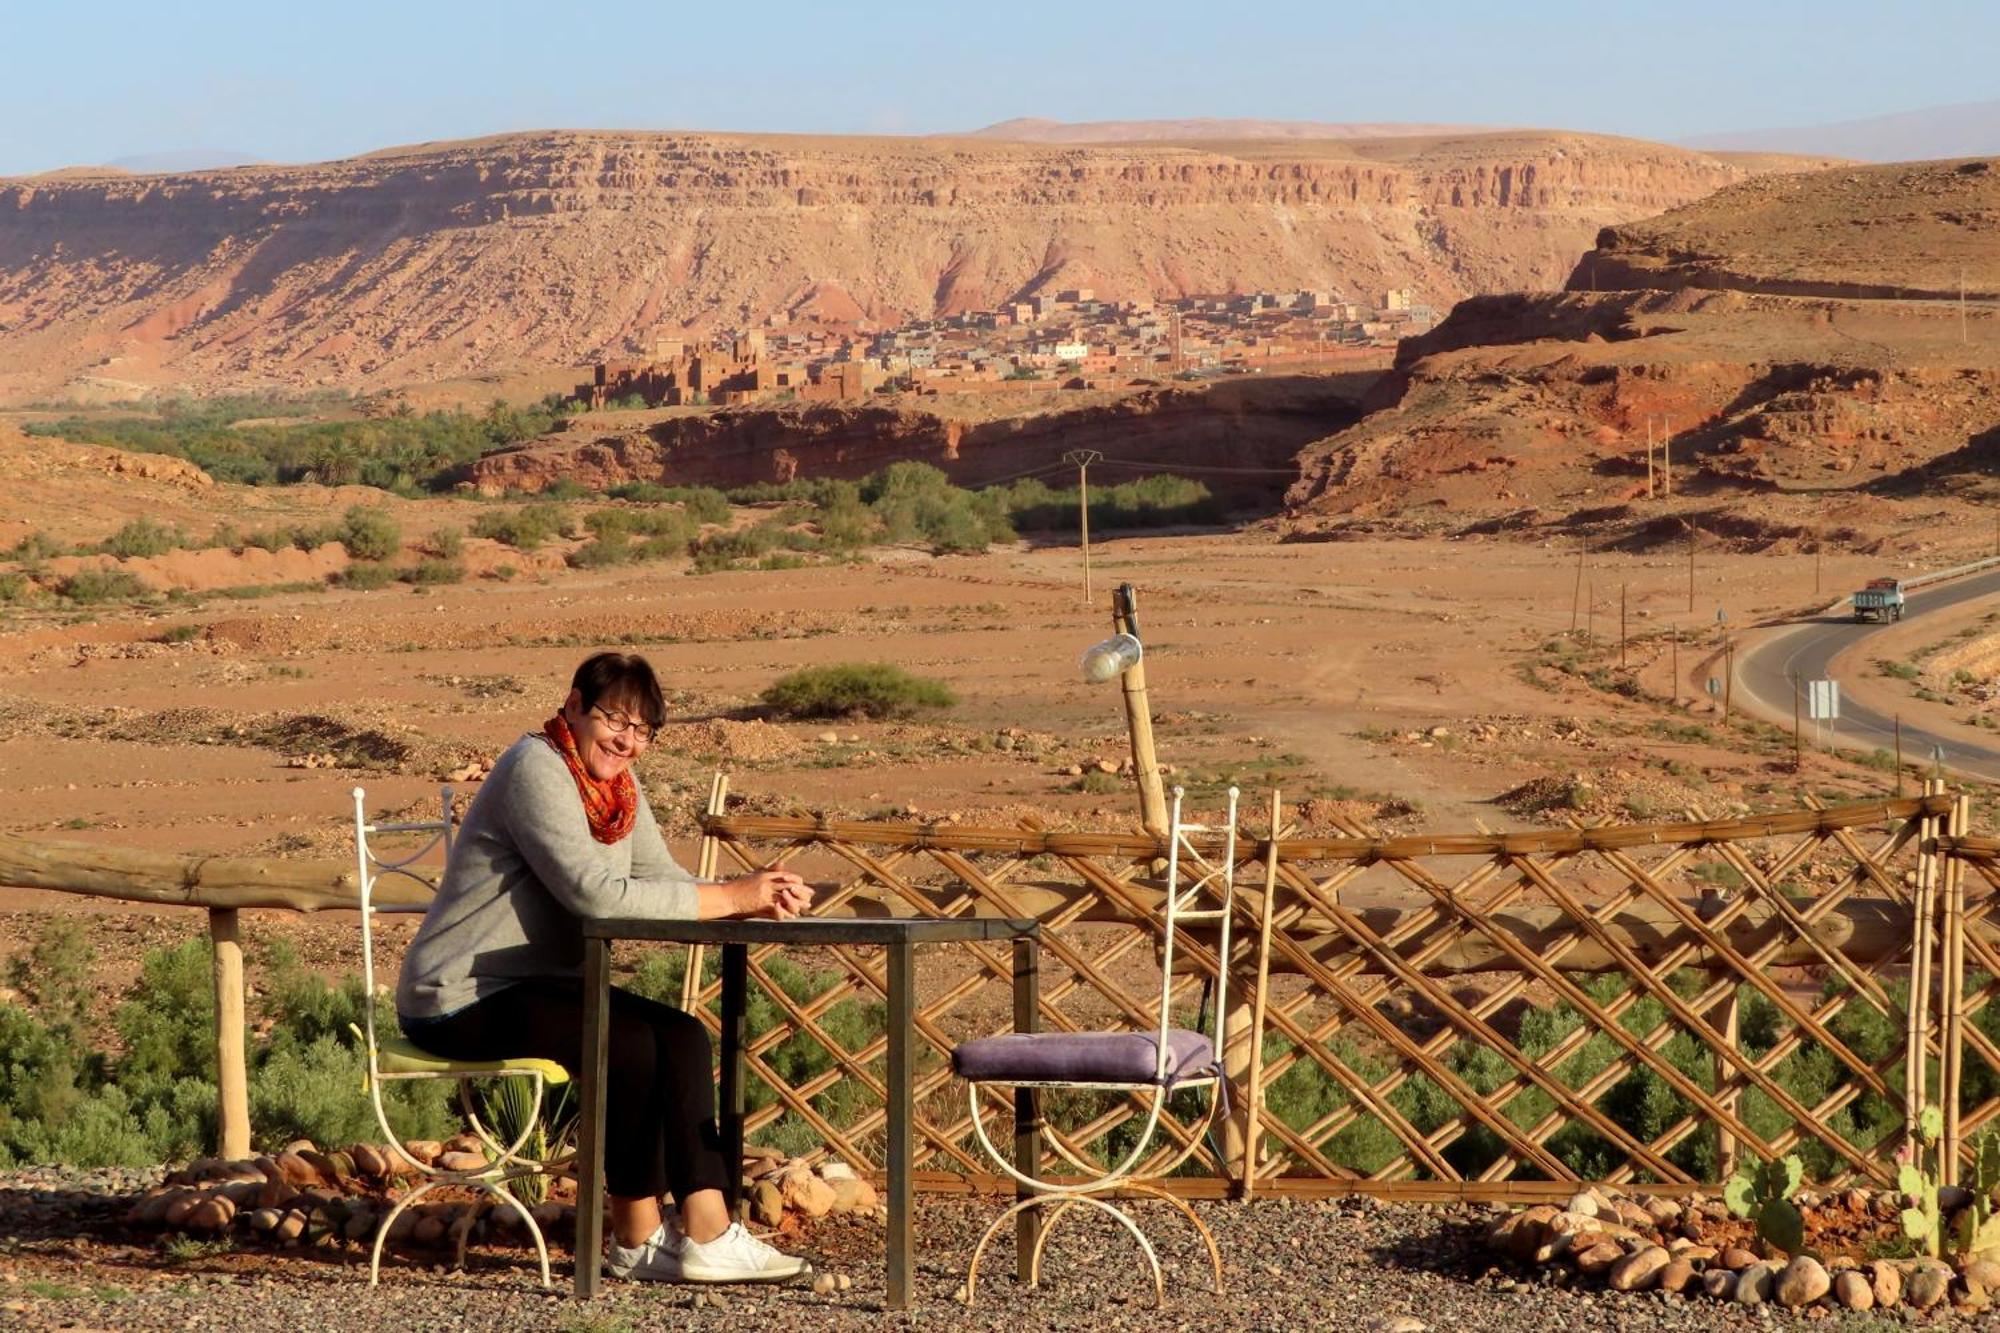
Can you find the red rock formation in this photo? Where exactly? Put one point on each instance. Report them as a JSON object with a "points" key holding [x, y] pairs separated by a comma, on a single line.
{"points": [[559, 248]]}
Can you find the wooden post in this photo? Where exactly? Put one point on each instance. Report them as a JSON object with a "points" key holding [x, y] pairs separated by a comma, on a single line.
{"points": [[1139, 719], [1916, 1086], [1674, 647], [232, 1084], [1725, 1142], [711, 850], [1728, 676], [1590, 610], [1649, 458], [1952, 1000], [1899, 754], [1798, 759], [1253, 1101]]}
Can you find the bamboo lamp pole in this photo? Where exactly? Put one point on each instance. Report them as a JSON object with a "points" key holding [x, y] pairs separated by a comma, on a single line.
{"points": [[1139, 718], [718, 803], [1253, 1101], [232, 1084]]}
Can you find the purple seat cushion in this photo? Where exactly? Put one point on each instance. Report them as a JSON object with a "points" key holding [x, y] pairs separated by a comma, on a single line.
{"points": [[1083, 1057]]}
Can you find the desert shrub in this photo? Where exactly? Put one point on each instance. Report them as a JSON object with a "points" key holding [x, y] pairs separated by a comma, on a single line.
{"points": [[431, 573], [270, 539], [526, 528], [606, 549], [368, 575], [102, 585], [871, 689], [142, 537], [37, 545], [447, 543], [370, 534], [704, 504], [15, 589]]}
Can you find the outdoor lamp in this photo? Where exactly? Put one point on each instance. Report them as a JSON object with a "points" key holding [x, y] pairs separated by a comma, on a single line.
{"points": [[1111, 658]]}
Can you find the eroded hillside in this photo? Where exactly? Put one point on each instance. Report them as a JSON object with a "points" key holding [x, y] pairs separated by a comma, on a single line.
{"points": [[486, 256]]}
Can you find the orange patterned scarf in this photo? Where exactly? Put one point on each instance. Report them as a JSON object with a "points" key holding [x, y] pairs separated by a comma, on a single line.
{"points": [[612, 807]]}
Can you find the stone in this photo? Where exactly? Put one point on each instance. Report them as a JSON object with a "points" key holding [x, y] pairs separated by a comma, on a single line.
{"points": [[1986, 1272], [823, 1284], [1753, 1285], [1571, 1224], [1662, 1211], [276, 1193], [853, 1195], [429, 1230], [424, 1150], [1927, 1286], [1803, 1281], [844, 1282], [264, 1219], [1398, 1323], [1736, 1257], [1683, 1248], [1851, 1291], [807, 1193], [1599, 1258], [369, 1161], [1886, 1281], [767, 1204], [301, 1146], [1676, 1276], [291, 1226], [1719, 1283], [296, 1170], [467, 1142], [183, 1203], [454, 1160], [1633, 1215], [1637, 1271], [832, 1171]]}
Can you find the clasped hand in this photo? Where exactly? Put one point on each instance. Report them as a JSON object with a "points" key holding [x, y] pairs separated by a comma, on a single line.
{"points": [[776, 895]]}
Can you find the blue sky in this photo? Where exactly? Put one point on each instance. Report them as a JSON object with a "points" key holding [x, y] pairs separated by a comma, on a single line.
{"points": [[304, 83]]}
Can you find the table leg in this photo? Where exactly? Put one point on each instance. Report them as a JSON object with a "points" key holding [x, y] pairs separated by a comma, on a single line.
{"points": [[735, 1005], [590, 1147], [902, 1023], [1027, 1110]]}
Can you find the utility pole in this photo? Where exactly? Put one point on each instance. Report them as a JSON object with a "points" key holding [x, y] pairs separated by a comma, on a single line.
{"points": [[1961, 305], [1816, 555], [1899, 755], [1728, 674], [1667, 458], [1798, 762], [1649, 458], [1674, 647], [1576, 592], [1692, 532], [1082, 459], [1621, 627], [1590, 610]]}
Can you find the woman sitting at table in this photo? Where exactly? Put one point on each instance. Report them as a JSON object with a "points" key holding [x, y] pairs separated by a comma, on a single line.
{"points": [[560, 832]]}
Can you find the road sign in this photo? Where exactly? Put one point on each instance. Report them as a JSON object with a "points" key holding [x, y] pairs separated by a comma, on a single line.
{"points": [[1822, 700], [1715, 687]]}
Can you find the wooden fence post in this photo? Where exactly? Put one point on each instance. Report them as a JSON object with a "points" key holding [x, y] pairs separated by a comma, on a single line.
{"points": [[232, 1084], [1916, 1090], [1253, 1098], [1953, 1002], [1731, 1015], [704, 868]]}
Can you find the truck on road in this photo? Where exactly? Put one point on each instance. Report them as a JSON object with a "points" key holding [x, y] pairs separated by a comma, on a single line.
{"points": [[1882, 599]]}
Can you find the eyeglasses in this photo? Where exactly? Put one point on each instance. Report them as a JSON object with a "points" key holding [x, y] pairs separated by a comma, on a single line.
{"points": [[618, 724]]}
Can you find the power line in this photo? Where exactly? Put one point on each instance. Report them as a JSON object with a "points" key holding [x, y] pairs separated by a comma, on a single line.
{"points": [[1193, 467]]}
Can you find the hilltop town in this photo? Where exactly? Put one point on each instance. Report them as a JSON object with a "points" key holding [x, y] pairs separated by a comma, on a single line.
{"points": [[1070, 340]]}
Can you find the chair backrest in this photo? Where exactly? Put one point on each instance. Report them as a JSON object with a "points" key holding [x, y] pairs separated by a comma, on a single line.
{"points": [[1217, 881], [371, 865]]}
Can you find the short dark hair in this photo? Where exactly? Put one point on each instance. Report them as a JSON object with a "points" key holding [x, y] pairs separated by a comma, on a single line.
{"points": [[625, 677]]}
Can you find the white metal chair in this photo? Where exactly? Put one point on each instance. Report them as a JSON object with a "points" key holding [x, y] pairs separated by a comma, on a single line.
{"points": [[396, 1059], [1152, 1064]]}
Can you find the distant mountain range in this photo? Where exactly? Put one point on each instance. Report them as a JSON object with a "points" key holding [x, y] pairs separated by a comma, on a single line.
{"points": [[184, 159], [1967, 129], [1034, 129]]}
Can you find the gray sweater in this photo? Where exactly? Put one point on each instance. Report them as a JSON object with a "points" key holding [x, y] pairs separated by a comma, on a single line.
{"points": [[523, 872]]}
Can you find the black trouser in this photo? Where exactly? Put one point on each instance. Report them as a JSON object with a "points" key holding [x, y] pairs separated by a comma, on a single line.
{"points": [[660, 1133]]}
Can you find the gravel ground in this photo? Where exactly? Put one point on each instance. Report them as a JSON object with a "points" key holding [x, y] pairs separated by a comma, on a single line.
{"points": [[68, 1261]]}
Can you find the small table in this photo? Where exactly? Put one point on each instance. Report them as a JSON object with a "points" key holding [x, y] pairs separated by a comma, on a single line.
{"points": [[899, 936]]}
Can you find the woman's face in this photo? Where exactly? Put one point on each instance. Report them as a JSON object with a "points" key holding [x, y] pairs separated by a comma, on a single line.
{"points": [[609, 735]]}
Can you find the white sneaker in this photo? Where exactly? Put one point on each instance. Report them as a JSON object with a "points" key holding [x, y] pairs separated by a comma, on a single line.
{"points": [[737, 1256], [654, 1259]]}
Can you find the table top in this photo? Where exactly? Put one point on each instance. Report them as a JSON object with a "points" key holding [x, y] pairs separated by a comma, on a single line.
{"points": [[821, 930]]}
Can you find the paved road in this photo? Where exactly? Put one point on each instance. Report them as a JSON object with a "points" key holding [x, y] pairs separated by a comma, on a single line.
{"points": [[1764, 679]]}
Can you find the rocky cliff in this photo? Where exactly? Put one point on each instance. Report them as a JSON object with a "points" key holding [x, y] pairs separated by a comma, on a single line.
{"points": [[486, 256], [1249, 431]]}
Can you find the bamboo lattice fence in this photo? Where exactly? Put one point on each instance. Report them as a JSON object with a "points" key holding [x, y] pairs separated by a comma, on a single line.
{"points": [[1488, 1016]]}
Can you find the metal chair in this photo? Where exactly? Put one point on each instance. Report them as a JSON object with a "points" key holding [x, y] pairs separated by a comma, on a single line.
{"points": [[396, 1059], [1151, 1064]]}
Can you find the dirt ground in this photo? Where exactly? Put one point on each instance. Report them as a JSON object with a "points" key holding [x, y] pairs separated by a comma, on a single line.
{"points": [[1400, 683]]}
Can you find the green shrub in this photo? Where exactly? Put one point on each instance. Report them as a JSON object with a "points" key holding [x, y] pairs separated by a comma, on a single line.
{"points": [[430, 573], [37, 545], [703, 504], [527, 527], [447, 543], [871, 689], [613, 548], [16, 589], [370, 534], [368, 575], [142, 537], [102, 585]]}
